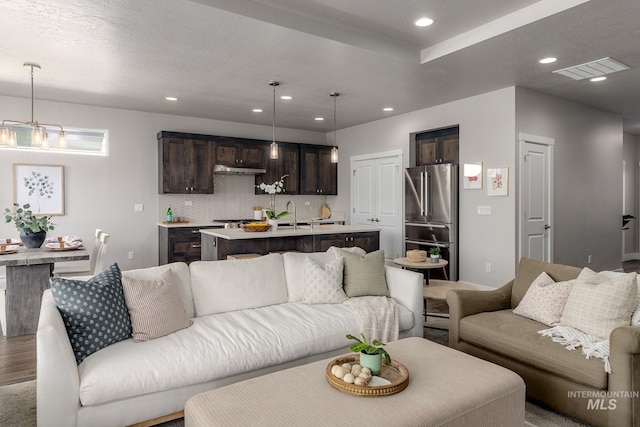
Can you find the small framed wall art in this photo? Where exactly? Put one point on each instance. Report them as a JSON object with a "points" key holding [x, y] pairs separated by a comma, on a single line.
{"points": [[42, 186], [472, 176], [498, 181]]}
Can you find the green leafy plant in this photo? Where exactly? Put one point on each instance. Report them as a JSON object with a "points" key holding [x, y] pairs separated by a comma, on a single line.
{"points": [[376, 347], [26, 220], [272, 214], [434, 251]]}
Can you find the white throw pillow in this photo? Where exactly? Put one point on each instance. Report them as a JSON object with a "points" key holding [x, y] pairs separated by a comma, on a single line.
{"points": [[222, 286], [323, 284], [544, 301], [597, 305], [635, 317], [294, 271]]}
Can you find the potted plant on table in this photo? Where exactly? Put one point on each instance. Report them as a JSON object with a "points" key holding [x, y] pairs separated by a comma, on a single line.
{"points": [[370, 354], [33, 229], [435, 255]]}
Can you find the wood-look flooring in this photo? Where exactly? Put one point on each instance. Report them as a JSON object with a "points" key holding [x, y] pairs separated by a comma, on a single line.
{"points": [[18, 354]]}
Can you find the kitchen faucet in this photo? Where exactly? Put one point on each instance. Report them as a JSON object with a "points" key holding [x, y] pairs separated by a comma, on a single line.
{"points": [[295, 215]]}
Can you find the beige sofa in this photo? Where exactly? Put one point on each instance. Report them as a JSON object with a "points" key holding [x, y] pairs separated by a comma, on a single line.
{"points": [[482, 324]]}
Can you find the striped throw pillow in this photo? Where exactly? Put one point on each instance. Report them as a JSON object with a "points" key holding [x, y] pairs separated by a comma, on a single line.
{"points": [[155, 306]]}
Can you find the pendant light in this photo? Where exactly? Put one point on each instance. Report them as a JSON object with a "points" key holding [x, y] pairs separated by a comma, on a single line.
{"points": [[334, 150], [273, 149], [39, 136]]}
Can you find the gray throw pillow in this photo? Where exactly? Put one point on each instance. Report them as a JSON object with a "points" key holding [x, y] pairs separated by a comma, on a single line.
{"points": [[364, 275], [94, 312]]}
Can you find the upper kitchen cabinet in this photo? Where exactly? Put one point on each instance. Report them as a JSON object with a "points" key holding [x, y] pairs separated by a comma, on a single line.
{"points": [[185, 164], [317, 174], [287, 163], [240, 153], [439, 146]]}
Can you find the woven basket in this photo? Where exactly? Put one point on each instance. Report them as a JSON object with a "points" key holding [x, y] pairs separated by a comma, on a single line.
{"points": [[416, 255]]}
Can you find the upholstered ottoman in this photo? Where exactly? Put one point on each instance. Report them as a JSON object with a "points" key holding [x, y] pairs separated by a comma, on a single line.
{"points": [[446, 388]]}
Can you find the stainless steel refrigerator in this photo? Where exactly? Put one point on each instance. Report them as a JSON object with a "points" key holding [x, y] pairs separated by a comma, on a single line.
{"points": [[431, 212]]}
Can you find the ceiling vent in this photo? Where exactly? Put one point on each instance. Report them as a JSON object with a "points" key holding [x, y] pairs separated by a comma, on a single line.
{"points": [[593, 69]]}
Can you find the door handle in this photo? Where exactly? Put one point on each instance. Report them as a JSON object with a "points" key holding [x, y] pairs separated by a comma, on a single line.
{"points": [[377, 220], [547, 226], [370, 219], [422, 193]]}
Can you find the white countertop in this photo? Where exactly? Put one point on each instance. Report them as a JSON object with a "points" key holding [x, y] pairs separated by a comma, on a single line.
{"points": [[285, 221], [239, 234]]}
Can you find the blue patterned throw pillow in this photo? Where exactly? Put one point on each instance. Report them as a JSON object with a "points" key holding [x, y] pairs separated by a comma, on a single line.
{"points": [[94, 312]]}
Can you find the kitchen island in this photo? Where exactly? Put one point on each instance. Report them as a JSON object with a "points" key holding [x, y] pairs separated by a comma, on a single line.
{"points": [[218, 243]]}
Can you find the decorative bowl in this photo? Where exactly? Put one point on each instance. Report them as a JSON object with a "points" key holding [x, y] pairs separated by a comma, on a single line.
{"points": [[255, 227]]}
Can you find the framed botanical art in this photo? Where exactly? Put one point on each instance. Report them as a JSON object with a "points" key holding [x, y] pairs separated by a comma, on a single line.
{"points": [[41, 186], [472, 176], [497, 181]]}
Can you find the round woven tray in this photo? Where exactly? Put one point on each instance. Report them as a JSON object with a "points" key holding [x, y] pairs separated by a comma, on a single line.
{"points": [[255, 228], [396, 373]]}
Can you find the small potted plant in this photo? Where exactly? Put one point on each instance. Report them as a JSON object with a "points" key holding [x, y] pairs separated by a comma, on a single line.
{"points": [[272, 190], [435, 254], [33, 229], [370, 354]]}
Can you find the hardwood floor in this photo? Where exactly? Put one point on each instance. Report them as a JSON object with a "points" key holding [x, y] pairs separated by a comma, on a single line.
{"points": [[18, 354], [17, 359]]}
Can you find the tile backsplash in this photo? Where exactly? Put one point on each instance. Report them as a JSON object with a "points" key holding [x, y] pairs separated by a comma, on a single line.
{"points": [[234, 198]]}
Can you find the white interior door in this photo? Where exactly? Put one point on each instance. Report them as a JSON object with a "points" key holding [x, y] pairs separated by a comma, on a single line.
{"points": [[377, 199], [536, 184]]}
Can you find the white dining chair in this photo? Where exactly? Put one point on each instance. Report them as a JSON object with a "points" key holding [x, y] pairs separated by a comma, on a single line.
{"points": [[95, 259]]}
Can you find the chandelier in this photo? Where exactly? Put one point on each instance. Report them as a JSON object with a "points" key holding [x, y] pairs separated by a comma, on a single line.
{"points": [[39, 136]]}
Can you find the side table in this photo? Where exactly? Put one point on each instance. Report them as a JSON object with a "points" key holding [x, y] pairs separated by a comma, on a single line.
{"points": [[424, 265]]}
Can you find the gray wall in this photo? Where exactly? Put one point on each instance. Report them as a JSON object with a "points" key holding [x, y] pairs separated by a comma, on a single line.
{"points": [[487, 126], [587, 176]]}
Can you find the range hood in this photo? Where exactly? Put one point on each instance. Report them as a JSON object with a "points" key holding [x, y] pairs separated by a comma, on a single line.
{"points": [[228, 170]]}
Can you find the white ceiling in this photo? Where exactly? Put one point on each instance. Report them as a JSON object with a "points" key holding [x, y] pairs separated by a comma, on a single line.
{"points": [[217, 56]]}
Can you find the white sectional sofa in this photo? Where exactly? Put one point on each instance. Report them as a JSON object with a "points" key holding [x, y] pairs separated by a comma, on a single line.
{"points": [[259, 325]]}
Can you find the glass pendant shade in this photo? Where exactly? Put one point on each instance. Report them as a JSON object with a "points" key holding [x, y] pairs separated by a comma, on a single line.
{"points": [[62, 139], [334, 155], [273, 151], [13, 139], [37, 136], [4, 135]]}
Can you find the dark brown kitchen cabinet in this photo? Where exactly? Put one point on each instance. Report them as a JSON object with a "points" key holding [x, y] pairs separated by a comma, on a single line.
{"points": [[367, 240], [317, 174], [439, 146], [236, 152], [179, 244], [185, 165], [287, 163]]}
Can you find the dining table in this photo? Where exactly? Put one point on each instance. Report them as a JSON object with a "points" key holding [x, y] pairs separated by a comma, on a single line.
{"points": [[28, 274]]}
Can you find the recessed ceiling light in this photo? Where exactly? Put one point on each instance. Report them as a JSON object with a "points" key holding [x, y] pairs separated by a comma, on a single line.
{"points": [[548, 60], [387, 109], [423, 22], [286, 97], [319, 119], [598, 79], [257, 110], [171, 98]]}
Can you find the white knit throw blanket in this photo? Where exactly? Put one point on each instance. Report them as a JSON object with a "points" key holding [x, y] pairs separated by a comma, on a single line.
{"points": [[378, 317], [572, 338]]}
